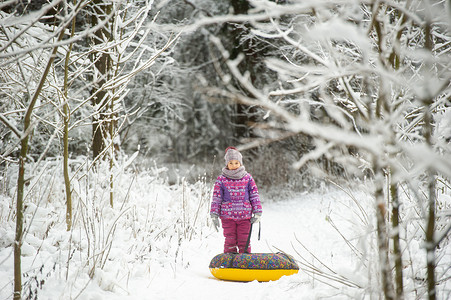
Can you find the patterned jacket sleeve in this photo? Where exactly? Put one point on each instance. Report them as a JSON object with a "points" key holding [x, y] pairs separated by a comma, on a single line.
{"points": [[254, 198], [217, 198]]}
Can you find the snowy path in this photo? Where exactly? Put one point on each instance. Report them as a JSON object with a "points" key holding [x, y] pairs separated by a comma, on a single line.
{"points": [[305, 218]]}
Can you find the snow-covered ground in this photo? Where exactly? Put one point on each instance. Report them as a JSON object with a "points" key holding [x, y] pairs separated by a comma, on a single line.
{"points": [[157, 242]]}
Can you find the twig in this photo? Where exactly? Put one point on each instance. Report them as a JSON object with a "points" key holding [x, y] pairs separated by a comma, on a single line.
{"points": [[313, 254], [334, 276], [351, 246], [11, 126]]}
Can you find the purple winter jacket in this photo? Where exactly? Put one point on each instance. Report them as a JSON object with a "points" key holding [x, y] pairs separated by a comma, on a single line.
{"points": [[235, 199]]}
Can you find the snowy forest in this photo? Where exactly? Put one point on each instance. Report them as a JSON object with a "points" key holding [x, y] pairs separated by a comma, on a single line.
{"points": [[114, 118]]}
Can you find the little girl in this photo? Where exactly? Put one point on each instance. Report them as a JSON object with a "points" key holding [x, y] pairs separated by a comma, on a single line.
{"points": [[236, 202]]}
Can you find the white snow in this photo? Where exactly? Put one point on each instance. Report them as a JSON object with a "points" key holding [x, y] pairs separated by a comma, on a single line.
{"points": [[157, 243]]}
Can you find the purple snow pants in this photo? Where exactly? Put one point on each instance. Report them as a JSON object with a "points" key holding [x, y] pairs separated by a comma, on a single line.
{"points": [[236, 233]]}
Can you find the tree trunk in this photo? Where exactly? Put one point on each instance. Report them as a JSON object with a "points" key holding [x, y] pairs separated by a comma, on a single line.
{"points": [[19, 216], [244, 115], [66, 120], [396, 246], [430, 227], [101, 11], [382, 238], [430, 242], [66, 167], [21, 177]]}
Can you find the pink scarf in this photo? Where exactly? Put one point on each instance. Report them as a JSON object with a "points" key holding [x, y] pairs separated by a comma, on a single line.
{"points": [[234, 174]]}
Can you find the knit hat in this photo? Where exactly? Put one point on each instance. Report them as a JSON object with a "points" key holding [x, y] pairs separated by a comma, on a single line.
{"points": [[231, 153]]}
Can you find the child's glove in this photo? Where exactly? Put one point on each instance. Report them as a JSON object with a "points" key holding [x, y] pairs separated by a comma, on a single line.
{"points": [[256, 218], [215, 220]]}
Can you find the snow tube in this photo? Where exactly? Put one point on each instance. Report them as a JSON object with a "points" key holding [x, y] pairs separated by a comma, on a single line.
{"points": [[252, 266]]}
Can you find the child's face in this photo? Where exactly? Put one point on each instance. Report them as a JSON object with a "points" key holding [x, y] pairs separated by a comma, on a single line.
{"points": [[233, 164]]}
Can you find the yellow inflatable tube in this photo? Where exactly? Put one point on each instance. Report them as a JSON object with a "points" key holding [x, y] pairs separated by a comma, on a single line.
{"points": [[250, 274], [252, 266]]}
